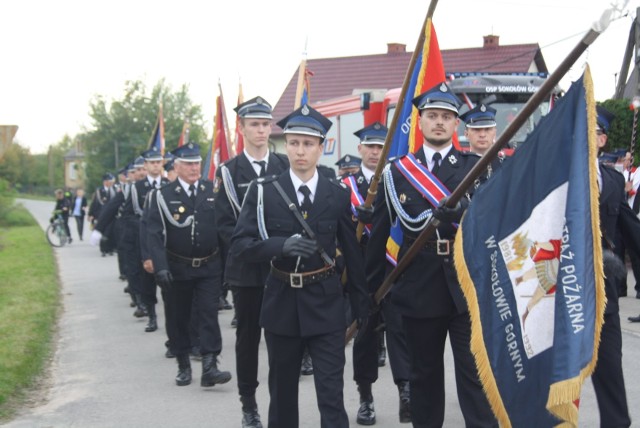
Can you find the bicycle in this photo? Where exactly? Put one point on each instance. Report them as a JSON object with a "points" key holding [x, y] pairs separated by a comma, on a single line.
{"points": [[56, 233]]}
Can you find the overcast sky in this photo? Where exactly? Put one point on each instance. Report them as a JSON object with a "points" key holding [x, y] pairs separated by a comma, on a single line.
{"points": [[56, 55]]}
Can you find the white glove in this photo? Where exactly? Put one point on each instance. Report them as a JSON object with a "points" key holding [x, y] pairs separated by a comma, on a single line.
{"points": [[95, 237]]}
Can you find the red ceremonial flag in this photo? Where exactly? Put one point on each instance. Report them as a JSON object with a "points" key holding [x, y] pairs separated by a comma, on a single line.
{"points": [[239, 139], [184, 136], [303, 88], [220, 150]]}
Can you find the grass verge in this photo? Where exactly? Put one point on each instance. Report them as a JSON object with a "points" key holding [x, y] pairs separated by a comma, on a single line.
{"points": [[29, 302]]}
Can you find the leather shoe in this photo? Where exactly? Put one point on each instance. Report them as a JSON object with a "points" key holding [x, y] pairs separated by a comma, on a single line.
{"points": [[152, 324], [195, 353], [184, 370], [637, 294], [224, 304], [250, 415], [366, 413], [307, 366], [634, 319], [210, 373]]}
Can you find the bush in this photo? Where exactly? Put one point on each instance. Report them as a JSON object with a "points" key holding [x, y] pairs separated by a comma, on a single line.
{"points": [[11, 214]]}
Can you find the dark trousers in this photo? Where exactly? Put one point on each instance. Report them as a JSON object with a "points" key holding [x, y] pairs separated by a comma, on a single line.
{"points": [[365, 350], [131, 254], [65, 222], [118, 231], [285, 358], [247, 301], [178, 306], [365, 353], [79, 224], [635, 266], [608, 379], [396, 343], [426, 339]]}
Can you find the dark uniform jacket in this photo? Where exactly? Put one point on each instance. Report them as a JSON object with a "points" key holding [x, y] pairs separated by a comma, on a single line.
{"points": [[237, 273], [429, 286], [316, 308], [616, 214], [110, 211], [196, 240], [100, 198]]}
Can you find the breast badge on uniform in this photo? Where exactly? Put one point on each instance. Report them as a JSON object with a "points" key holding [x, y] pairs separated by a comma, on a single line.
{"points": [[202, 187], [216, 185], [176, 216], [452, 160], [181, 209], [402, 198]]}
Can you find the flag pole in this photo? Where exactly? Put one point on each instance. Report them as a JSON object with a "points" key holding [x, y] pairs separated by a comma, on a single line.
{"points": [[479, 168], [375, 179]]}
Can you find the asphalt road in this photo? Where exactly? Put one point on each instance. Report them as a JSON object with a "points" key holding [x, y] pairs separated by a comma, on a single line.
{"points": [[108, 372]]}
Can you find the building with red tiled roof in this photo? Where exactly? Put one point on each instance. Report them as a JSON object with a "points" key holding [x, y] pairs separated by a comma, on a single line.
{"points": [[338, 77]]}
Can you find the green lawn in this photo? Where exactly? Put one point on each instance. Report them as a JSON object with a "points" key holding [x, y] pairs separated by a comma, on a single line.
{"points": [[29, 303]]}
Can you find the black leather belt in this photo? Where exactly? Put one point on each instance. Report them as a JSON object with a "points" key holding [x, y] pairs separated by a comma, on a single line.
{"points": [[442, 247], [297, 280], [195, 262]]}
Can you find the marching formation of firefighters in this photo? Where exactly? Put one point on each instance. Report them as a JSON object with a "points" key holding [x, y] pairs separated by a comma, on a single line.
{"points": [[281, 235]]}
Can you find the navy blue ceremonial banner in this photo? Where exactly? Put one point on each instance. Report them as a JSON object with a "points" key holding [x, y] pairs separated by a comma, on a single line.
{"points": [[529, 258]]}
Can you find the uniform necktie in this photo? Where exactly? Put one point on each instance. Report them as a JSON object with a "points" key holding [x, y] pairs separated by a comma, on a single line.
{"points": [[305, 207], [192, 194], [155, 184], [436, 163], [263, 167]]}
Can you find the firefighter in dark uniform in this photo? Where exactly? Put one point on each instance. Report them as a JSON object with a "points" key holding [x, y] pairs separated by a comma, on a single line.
{"points": [[366, 352], [428, 294], [246, 280], [182, 240], [101, 197], [348, 165], [123, 182], [295, 222], [110, 219], [615, 217], [140, 282], [480, 131]]}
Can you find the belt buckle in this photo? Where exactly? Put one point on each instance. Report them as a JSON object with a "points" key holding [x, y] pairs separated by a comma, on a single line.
{"points": [[442, 247], [295, 279], [196, 263]]}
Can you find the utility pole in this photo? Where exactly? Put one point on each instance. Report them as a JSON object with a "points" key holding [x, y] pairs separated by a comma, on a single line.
{"points": [[633, 48]]}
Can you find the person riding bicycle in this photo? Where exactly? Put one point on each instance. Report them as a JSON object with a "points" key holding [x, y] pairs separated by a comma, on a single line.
{"points": [[62, 208]]}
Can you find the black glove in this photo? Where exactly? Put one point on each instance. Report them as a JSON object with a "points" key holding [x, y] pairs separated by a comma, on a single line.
{"points": [[362, 324], [164, 279], [365, 214], [297, 246], [446, 214]]}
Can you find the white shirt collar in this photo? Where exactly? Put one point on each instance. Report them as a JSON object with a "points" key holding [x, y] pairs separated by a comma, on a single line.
{"points": [[429, 152], [367, 173], [312, 184], [186, 185], [256, 167], [151, 179]]}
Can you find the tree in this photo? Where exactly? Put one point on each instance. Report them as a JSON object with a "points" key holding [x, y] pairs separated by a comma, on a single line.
{"points": [[121, 129], [619, 135]]}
